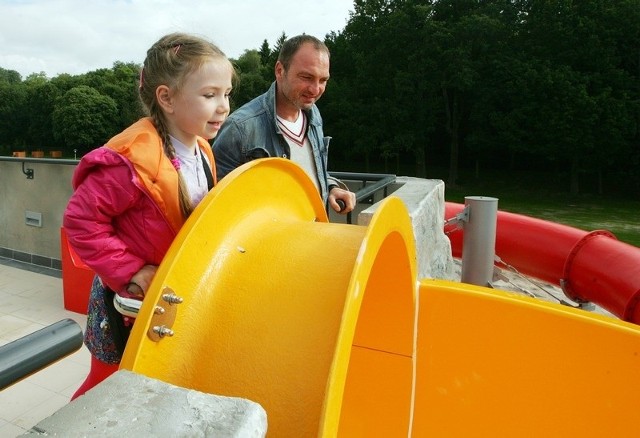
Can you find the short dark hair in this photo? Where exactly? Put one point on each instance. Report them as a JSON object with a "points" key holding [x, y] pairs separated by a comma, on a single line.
{"points": [[293, 44]]}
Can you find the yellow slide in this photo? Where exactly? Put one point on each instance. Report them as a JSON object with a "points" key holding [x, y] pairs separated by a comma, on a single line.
{"points": [[327, 328], [493, 363]]}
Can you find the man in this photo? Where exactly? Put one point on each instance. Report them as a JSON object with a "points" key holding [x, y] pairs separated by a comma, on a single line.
{"points": [[285, 122]]}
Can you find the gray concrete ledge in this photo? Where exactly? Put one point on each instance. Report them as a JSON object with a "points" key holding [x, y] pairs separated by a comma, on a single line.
{"points": [[129, 404]]}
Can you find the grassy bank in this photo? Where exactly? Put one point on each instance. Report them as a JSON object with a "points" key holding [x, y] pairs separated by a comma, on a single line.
{"points": [[537, 194], [532, 198]]}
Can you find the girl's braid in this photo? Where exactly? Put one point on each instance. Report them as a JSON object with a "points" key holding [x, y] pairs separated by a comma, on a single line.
{"points": [[168, 62], [186, 206]]}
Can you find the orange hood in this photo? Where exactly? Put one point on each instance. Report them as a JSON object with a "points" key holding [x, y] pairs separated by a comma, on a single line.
{"points": [[141, 145]]}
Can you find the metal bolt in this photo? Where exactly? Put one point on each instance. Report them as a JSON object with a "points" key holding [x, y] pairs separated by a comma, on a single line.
{"points": [[158, 310], [162, 331], [172, 298]]}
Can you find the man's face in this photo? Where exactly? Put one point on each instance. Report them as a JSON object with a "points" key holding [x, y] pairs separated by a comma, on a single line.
{"points": [[305, 80]]}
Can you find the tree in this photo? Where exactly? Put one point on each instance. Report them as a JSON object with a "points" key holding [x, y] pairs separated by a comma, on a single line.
{"points": [[40, 101], [577, 92], [265, 53], [84, 119], [467, 37], [10, 76], [276, 49], [121, 84], [268, 57], [356, 103], [41, 95], [12, 112], [251, 81]]}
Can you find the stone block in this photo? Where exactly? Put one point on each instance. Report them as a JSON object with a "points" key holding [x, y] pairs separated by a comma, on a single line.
{"points": [[129, 404]]}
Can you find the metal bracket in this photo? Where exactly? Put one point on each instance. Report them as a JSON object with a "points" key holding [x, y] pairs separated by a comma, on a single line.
{"points": [[581, 303], [164, 315], [458, 219], [28, 172]]}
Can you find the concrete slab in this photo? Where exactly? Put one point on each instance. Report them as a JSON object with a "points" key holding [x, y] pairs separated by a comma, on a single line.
{"points": [[129, 404]]}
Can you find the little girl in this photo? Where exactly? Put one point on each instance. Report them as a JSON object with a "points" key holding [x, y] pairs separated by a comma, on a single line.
{"points": [[132, 195]]}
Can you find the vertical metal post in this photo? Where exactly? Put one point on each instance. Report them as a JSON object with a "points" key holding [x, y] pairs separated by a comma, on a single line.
{"points": [[479, 241]]}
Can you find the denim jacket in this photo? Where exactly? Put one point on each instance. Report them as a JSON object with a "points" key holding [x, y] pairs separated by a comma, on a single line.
{"points": [[252, 132]]}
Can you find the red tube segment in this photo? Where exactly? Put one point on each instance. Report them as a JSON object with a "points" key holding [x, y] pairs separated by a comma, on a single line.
{"points": [[591, 267], [605, 271]]}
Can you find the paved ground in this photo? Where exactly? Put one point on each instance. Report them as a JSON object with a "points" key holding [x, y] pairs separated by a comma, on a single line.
{"points": [[32, 299]]}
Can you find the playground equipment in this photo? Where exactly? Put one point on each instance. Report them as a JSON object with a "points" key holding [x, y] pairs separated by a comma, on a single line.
{"points": [[326, 326], [589, 266]]}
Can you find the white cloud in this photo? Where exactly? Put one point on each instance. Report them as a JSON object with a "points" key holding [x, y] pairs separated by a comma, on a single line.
{"points": [[76, 36]]}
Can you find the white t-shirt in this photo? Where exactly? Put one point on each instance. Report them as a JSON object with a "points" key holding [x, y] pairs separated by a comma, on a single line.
{"points": [[301, 153], [192, 170]]}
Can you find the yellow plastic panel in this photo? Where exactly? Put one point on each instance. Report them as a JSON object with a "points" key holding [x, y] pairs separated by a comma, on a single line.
{"points": [[272, 297], [263, 278], [377, 395], [491, 363], [370, 387]]}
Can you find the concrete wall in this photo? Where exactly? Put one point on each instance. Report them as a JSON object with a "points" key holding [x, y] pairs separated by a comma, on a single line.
{"points": [[47, 193]]}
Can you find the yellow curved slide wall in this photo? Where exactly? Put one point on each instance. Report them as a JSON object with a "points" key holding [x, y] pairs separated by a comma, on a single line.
{"points": [[282, 307], [327, 328]]}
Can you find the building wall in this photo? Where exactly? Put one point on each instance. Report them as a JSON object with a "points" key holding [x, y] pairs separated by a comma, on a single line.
{"points": [[46, 194]]}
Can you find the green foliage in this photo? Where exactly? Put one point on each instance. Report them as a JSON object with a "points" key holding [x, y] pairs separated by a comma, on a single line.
{"points": [[251, 76], [84, 119], [27, 108], [12, 123], [9, 76], [491, 83], [121, 84], [424, 85], [42, 95]]}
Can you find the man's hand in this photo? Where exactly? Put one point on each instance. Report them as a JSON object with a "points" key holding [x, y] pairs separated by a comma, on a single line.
{"points": [[348, 199]]}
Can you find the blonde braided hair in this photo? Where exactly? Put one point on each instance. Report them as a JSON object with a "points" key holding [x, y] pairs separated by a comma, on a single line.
{"points": [[169, 61]]}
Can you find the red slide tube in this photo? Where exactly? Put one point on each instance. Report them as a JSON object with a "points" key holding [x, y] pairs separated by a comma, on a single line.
{"points": [[593, 267]]}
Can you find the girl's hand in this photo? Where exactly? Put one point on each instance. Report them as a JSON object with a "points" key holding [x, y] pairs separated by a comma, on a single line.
{"points": [[141, 280]]}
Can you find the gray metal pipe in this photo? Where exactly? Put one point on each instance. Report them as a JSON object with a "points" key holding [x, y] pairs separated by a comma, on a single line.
{"points": [[35, 351], [479, 241]]}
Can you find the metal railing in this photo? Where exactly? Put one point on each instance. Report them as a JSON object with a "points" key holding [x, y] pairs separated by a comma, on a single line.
{"points": [[29, 171], [35, 351], [370, 183]]}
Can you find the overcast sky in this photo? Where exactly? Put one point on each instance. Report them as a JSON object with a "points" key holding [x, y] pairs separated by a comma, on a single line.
{"points": [[77, 36]]}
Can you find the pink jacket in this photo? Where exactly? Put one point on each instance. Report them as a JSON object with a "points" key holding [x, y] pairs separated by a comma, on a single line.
{"points": [[124, 212]]}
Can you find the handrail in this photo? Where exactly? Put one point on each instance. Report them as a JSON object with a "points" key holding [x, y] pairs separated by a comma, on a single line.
{"points": [[382, 180], [40, 160], [29, 171], [35, 351]]}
